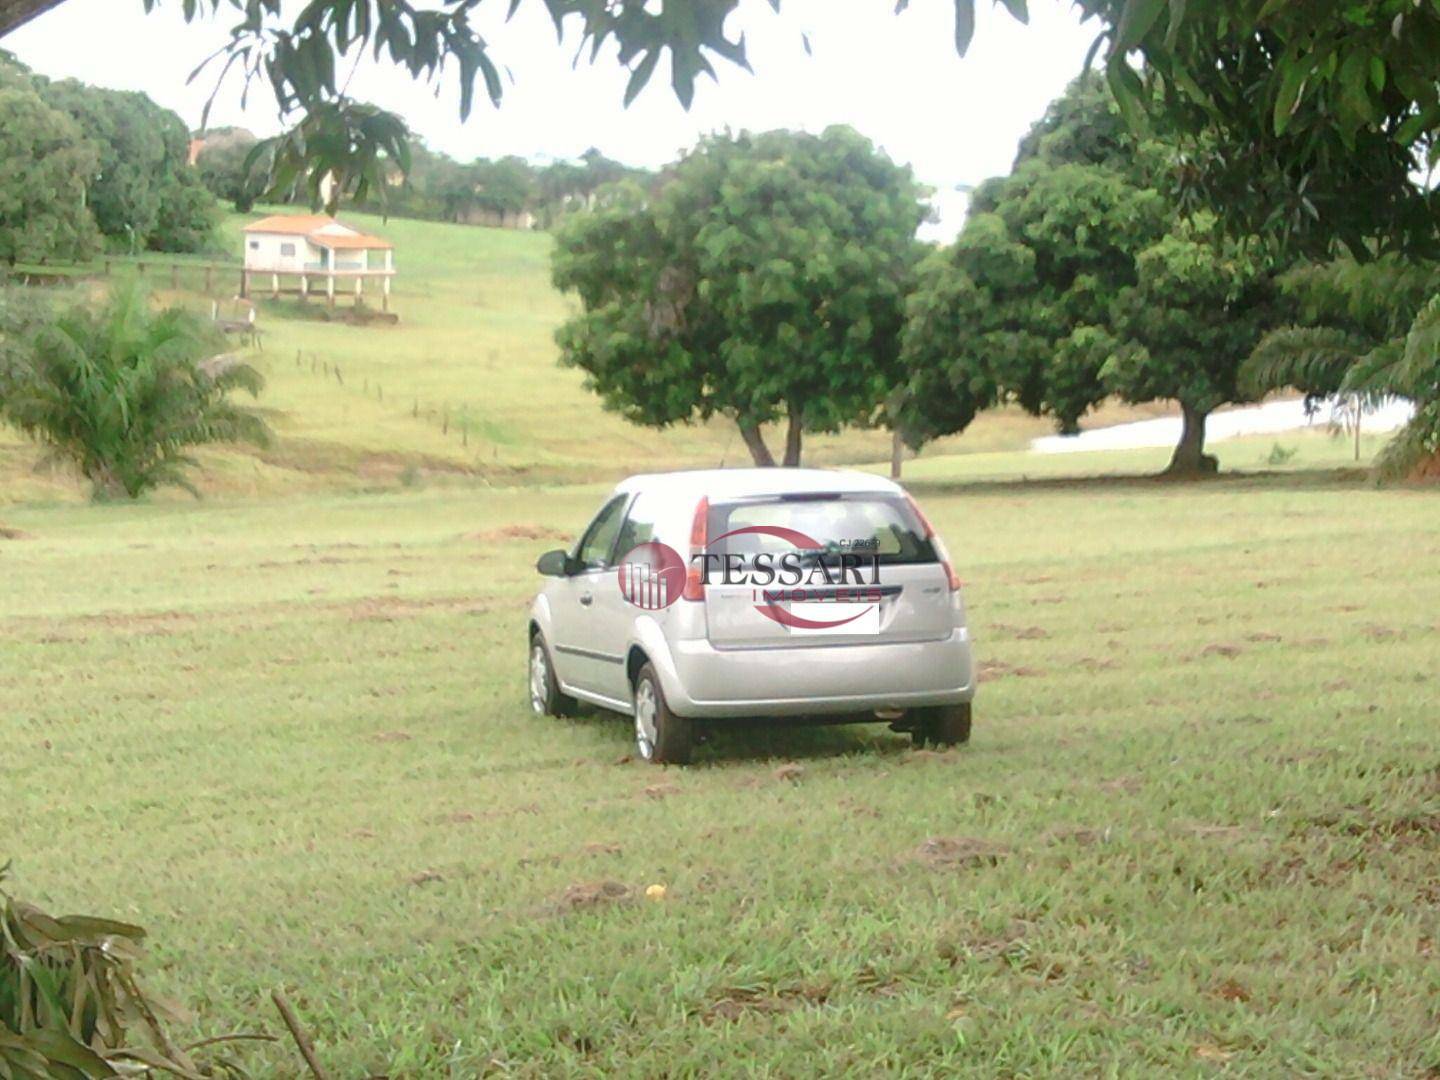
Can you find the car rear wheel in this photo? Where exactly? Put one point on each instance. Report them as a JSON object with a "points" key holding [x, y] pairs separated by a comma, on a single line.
{"points": [[944, 725], [661, 737], [546, 698]]}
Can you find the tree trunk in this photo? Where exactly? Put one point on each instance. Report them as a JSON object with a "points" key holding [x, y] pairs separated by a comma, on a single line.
{"points": [[16, 13], [755, 442], [792, 436], [1190, 458], [897, 455]]}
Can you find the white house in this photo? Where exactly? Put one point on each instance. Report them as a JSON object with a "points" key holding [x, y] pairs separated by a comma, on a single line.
{"points": [[315, 248]]}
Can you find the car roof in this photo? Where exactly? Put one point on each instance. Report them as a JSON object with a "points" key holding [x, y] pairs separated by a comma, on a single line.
{"points": [[749, 483]]}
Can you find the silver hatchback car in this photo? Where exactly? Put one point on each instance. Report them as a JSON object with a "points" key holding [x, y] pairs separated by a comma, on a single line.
{"points": [[699, 597]]}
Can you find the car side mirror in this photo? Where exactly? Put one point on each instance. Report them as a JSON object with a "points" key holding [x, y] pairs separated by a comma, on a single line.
{"points": [[554, 564]]}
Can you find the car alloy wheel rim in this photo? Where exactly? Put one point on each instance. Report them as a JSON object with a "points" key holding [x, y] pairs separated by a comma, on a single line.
{"points": [[539, 678], [647, 709]]}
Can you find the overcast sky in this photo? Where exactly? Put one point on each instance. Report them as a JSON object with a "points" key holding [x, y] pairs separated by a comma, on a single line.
{"points": [[894, 78]]}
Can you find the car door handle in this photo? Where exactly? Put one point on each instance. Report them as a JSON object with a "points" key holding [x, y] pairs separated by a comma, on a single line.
{"points": [[587, 599]]}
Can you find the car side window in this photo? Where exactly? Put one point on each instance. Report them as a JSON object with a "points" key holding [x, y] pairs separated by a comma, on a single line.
{"points": [[595, 547], [639, 527]]}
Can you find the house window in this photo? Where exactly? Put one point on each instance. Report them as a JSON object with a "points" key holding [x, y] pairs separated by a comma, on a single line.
{"points": [[287, 251], [254, 245]]}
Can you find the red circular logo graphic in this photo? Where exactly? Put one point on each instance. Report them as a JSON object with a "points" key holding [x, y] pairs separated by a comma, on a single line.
{"points": [[652, 576]]}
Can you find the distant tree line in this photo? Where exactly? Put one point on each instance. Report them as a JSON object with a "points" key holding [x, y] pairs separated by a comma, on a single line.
{"points": [[507, 191], [84, 169]]}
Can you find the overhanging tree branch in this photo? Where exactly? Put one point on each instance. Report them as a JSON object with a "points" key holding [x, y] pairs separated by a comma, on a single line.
{"points": [[16, 13]]}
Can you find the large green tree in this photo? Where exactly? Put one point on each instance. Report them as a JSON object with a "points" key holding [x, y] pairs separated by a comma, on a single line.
{"points": [[1183, 330], [144, 194], [1075, 278], [764, 279], [45, 164]]}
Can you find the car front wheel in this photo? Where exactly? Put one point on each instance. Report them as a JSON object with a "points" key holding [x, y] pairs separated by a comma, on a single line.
{"points": [[660, 736], [546, 698]]}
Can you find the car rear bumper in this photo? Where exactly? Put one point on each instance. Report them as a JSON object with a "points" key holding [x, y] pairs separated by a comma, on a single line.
{"points": [[819, 680]]}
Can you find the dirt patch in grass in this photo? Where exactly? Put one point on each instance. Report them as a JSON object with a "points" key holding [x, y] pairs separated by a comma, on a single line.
{"points": [[521, 531], [391, 736], [737, 1002], [1222, 649], [592, 894], [394, 608], [999, 669], [1404, 830], [1122, 785], [790, 771], [960, 851], [8, 533], [1230, 990], [1020, 633], [1080, 835]]}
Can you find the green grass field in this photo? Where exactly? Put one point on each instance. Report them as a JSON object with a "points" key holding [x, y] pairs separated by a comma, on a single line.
{"points": [[1197, 827], [286, 729]]}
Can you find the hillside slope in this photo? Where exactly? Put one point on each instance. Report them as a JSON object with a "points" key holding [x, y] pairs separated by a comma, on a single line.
{"points": [[466, 388]]}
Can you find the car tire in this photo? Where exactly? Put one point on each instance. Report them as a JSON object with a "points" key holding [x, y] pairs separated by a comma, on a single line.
{"points": [[546, 698], [661, 737], [944, 725]]}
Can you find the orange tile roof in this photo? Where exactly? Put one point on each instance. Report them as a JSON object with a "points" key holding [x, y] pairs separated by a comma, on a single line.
{"points": [[372, 243], [291, 224], [309, 226]]}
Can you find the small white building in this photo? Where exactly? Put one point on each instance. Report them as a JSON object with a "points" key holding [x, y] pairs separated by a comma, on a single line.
{"points": [[314, 248]]}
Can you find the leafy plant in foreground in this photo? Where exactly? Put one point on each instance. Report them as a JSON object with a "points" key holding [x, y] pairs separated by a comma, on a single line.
{"points": [[70, 1002], [122, 393]]}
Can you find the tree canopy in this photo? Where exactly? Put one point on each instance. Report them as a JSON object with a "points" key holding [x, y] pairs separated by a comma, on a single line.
{"points": [[45, 165], [1310, 118], [138, 187], [1306, 123], [1078, 277], [763, 279]]}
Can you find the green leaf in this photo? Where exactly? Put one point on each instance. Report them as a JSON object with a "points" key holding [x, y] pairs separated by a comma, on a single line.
{"points": [[964, 25], [1294, 73], [1136, 20], [1020, 9], [1177, 17], [1129, 91], [641, 75]]}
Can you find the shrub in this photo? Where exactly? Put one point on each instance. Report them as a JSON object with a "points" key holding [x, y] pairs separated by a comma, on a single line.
{"points": [[122, 393], [70, 1002]]}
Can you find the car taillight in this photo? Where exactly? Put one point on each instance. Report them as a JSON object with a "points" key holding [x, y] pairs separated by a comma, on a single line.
{"points": [[941, 552], [699, 537]]}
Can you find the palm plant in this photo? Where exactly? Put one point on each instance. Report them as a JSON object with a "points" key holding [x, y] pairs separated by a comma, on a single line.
{"points": [[122, 392], [70, 1003], [1370, 333]]}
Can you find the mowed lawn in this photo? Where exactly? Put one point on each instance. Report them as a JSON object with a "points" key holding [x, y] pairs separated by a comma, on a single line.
{"points": [[1198, 828]]}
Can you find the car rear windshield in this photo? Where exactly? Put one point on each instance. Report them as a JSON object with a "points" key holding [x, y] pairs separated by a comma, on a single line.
{"points": [[884, 526]]}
